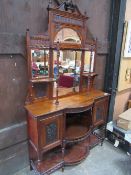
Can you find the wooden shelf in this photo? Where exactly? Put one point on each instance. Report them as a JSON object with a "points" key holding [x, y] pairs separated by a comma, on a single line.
{"points": [[75, 154], [75, 132], [94, 140], [92, 74], [51, 162], [43, 80]]}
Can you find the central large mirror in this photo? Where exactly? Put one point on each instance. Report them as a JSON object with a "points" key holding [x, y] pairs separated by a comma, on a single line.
{"points": [[68, 71], [39, 63]]}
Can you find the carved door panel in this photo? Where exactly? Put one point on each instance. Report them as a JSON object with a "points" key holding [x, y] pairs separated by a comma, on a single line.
{"points": [[100, 111], [51, 132]]}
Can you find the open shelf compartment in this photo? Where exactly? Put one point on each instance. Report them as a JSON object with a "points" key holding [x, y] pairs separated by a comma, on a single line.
{"points": [[75, 153], [78, 125], [52, 160]]}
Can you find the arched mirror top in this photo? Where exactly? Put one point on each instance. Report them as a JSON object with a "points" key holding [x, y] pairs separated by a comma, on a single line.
{"points": [[67, 35]]}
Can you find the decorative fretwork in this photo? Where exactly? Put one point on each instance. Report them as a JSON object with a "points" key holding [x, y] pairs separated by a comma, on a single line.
{"points": [[58, 27], [51, 132], [39, 41], [90, 46], [61, 19]]}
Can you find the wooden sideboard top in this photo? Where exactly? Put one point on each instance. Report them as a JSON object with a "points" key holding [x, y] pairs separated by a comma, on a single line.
{"points": [[39, 108]]}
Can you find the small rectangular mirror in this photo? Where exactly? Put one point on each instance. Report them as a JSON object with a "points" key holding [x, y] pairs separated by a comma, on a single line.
{"points": [[39, 62], [89, 61]]}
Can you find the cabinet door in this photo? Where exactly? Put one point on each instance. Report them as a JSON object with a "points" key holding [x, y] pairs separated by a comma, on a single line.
{"points": [[51, 132], [100, 111]]}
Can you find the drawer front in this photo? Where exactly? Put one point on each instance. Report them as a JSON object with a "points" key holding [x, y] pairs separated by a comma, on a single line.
{"points": [[51, 131], [100, 111]]}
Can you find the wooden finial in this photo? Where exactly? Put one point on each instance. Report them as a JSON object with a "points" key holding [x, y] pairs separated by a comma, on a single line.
{"points": [[57, 77], [50, 1], [85, 13], [50, 4]]}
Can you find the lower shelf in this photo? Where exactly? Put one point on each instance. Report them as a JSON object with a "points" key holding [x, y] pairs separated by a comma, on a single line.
{"points": [[74, 154], [94, 140], [51, 161]]}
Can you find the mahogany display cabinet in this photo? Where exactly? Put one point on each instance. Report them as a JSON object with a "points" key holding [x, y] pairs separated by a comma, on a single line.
{"points": [[58, 133], [63, 107]]}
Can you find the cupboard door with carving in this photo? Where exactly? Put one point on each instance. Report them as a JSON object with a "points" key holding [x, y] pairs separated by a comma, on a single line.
{"points": [[100, 111], [51, 132]]}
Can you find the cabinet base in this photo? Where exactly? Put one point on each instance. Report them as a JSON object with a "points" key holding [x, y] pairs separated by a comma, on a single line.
{"points": [[39, 168]]}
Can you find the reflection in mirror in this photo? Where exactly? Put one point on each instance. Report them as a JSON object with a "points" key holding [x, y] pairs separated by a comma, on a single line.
{"points": [[89, 61], [67, 35], [69, 71], [40, 90], [39, 61]]}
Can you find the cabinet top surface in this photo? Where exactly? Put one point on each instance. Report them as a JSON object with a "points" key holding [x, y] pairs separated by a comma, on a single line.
{"points": [[83, 99]]}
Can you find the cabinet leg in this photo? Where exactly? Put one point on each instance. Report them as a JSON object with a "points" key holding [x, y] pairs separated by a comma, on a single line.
{"points": [[63, 150], [89, 140], [102, 142], [31, 167], [104, 134], [105, 126], [63, 153], [39, 157]]}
